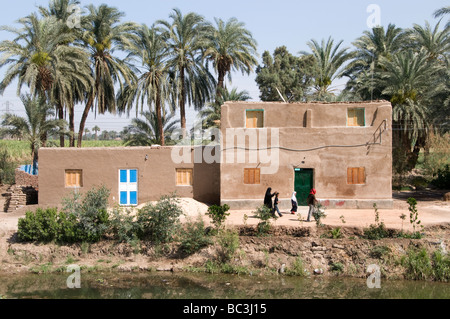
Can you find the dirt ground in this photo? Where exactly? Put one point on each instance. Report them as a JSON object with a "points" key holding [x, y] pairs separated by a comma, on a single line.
{"points": [[432, 211]]}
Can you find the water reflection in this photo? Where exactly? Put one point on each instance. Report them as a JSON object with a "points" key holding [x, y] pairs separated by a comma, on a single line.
{"points": [[205, 286]]}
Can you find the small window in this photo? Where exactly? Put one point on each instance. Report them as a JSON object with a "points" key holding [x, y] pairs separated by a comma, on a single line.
{"points": [[254, 119], [356, 117], [128, 187], [74, 178], [184, 177], [356, 176], [252, 176]]}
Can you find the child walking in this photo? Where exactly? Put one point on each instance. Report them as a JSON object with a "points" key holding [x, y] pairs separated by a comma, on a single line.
{"points": [[294, 203]]}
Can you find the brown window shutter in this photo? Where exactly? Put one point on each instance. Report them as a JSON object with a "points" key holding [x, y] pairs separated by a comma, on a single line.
{"points": [[252, 176], [257, 176], [361, 175], [351, 117], [254, 119], [74, 178], [246, 176], [349, 176], [356, 175], [184, 177]]}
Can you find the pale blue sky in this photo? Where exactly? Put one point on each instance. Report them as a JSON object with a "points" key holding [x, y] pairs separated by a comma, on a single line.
{"points": [[273, 23]]}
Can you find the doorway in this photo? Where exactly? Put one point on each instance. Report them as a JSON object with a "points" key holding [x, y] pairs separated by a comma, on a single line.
{"points": [[304, 182]]}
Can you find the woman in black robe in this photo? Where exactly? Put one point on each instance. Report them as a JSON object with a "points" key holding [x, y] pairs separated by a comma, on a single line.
{"points": [[268, 198]]}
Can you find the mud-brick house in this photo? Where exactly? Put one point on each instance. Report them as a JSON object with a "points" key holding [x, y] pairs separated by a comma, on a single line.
{"points": [[134, 175], [343, 150]]}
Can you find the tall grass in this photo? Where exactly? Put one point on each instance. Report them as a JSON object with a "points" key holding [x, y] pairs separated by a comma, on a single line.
{"points": [[17, 150], [20, 150]]}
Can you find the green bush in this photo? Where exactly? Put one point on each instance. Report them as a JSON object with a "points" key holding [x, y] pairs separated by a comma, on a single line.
{"points": [[194, 237], [218, 214], [421, 266], [441, 266], [297, 268], [336, 233], [48, 225], [318, 214], [264, 214], [67, 228], [228, 241], [378, 230], [442, 178], [418, 264], [39, 226], [123, 226], [91, 213], [160, 223]]}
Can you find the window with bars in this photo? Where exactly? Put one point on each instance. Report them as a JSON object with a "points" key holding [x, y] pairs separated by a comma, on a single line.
{"points": [[184, 177], [356, 117], [254, 119], [74, 178], [252, 176], [356, 176]]}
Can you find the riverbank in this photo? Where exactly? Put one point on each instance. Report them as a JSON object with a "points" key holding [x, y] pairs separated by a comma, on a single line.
{"points": [[303, 252], [293, 247]]}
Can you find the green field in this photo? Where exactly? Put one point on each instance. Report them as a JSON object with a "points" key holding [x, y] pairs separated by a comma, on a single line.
{"points": [[20, 150]]}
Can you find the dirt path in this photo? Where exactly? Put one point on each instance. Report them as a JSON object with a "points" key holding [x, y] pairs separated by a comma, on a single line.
{"points": [[432, 210]]}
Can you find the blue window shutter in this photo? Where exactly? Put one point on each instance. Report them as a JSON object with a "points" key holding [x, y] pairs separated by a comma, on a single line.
{"points": [[133, 198], [123, 176], [133, 176], [123, 198]]}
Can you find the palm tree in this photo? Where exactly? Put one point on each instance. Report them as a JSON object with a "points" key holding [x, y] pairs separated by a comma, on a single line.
{"points": [[103, 33], [86, 132], [150, 51], [186, 37], [230, 47], [441, 12], [59, 9], [146, 132], [409, 82], [212, 113], [35, 126], [364, 67], [328, 63], [96, 129], [81, 82], [436, 42], [42, 58]]}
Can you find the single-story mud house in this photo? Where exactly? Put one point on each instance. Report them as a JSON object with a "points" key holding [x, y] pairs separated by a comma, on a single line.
{"points": [[344, 150]]}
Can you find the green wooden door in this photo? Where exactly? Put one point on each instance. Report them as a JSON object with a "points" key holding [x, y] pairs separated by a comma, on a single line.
{"points": [[303, 184]]}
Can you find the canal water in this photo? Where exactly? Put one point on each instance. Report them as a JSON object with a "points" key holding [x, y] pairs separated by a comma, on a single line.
{"points": [[154, 285]]}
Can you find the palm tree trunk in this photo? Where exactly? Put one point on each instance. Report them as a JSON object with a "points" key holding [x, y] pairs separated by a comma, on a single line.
{"points": [[72, 125], [159, 119], [221, 80], [182, 104], [61, 117], [83, 121]]}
